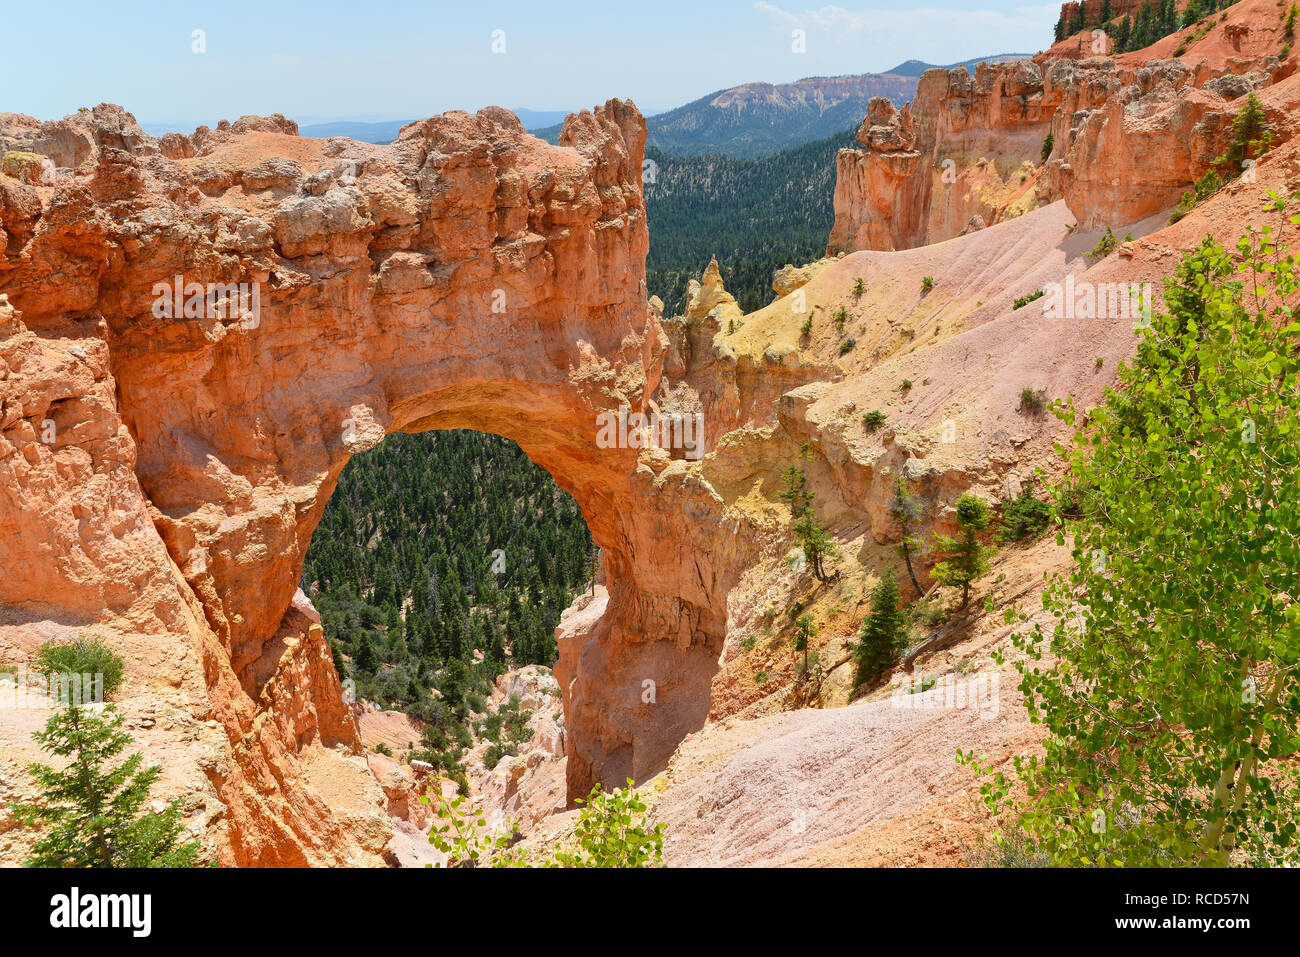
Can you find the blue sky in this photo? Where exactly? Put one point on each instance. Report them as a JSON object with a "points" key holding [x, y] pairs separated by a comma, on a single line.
{"points": [[395, 59]]}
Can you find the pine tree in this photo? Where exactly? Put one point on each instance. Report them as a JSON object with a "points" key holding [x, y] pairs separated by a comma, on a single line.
{"points": [[1169, 21], [817, 544], [804, 630], [398, 570], [93, 809], [905, 510], [365, 657], [1251, 136], [882, 633], [1077, 21], [969, 558]]}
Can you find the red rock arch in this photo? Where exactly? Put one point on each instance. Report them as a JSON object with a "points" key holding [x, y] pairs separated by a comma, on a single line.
{"points": [[466, 276]]}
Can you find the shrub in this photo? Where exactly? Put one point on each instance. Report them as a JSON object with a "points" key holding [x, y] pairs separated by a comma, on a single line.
{"points": [[806, 328], [462, 833], [1022, 301], [859, 286], [1033, 401], [81, 656], [847, 345], [873, 419], [927, 612], [493, 755], [841, 316], [1208, 185], [1024, 516], [1205, 187], [1005, 849], [905, 384], [760, 677], [1105, 246], [612, 831], [1185, 205], [927, 283], [1048, 143]]}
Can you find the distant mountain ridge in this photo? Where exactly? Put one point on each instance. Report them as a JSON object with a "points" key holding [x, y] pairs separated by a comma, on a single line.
{"points": [[760, 119], [386, 131], [916, 67]]}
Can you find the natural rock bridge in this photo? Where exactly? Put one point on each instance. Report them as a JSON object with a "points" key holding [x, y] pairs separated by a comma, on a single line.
{"points": [[164, 475]]}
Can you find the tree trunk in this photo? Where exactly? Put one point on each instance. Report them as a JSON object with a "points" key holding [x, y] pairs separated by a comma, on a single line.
{"points": [[907, 557]]}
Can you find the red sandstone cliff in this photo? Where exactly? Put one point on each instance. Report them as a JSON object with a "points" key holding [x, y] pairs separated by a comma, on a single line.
{"points": [[1130, 134]]}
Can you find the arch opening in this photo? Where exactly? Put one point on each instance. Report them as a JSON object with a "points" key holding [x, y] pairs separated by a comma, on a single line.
{"points": [[443, 560]]}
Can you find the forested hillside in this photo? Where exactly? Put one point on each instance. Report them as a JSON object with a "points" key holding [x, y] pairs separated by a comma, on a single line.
{"points": [[754, 214], [401, 569], [1136, 29], [760, 119]]}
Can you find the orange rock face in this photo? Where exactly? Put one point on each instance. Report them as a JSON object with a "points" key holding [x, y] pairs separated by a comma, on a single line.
{"points": [[1138, 152], [200, 331], [1129, 136], [958, 151]]}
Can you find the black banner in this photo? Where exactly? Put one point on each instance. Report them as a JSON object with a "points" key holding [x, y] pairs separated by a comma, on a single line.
{"points": [[147, 908]]}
